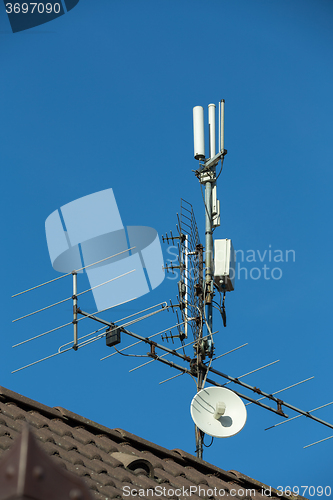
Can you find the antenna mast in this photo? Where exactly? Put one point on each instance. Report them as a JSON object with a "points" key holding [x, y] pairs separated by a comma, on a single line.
{"points": [[207, 177]]}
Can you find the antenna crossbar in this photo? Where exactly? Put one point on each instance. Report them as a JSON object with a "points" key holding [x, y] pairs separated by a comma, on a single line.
{"points": [[183, 369], [272, 398], [298, 416], [152, 353], [146, 340], [172, 352]]}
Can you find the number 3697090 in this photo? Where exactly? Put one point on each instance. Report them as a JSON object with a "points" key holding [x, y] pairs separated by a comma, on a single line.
{"points": [[31, 8]]}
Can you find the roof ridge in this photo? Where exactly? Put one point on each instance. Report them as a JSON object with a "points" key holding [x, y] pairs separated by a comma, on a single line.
{"points": [[27, 402]]}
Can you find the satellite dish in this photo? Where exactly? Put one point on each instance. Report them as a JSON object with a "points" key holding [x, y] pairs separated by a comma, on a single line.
{"points": [[218, 412]]}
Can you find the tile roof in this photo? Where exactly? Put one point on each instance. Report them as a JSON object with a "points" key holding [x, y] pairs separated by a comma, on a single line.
{"points": [[117, 464]]}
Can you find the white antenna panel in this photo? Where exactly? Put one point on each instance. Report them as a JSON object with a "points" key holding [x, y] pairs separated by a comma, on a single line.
{"points": [[218, 412], [211, 123], [198, 133]]}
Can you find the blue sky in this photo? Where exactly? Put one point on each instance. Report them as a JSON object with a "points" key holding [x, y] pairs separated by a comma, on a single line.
{"points": [[101, 98]]}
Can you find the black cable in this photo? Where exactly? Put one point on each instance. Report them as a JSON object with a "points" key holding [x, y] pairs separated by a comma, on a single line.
{"points": [[207, 445], [220, 170], [132, 355]]}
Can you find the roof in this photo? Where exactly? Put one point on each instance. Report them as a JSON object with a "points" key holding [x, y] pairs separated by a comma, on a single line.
{"points": [[117, 464]]}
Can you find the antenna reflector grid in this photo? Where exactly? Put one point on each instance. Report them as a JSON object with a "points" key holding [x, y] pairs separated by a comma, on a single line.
{"points": [[189, 266]]}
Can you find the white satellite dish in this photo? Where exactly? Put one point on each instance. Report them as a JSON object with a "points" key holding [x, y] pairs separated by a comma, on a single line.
{"points": [[218, 412]]}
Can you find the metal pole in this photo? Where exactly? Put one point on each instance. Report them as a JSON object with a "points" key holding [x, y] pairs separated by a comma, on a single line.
{"points": [[198, 433], [208, 292], [75, 345], [209, 264]]}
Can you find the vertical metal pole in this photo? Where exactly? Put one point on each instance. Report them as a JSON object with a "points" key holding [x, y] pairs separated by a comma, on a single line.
{"points": [[209, 264], [209, 232], [74, 297], [208, 302], [198, 435]]}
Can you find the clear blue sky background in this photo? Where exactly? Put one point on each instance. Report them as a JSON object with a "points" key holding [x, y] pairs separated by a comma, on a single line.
{"points": [[102, 97]]}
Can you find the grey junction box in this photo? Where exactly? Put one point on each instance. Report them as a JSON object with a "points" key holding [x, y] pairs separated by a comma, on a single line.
{"points": [[224, 265], [112, 336]]}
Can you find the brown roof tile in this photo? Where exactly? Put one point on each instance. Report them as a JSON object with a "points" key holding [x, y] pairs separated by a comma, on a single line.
{"points": [[45, 435], [155, 461], [104, 443], [60, 428], [83, 436], [85, 448], [173, 468], [195, 476]]}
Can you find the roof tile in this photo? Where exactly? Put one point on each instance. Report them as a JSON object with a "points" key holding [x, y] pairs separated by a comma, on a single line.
{"points": [[73, 457], [105, 443], [44, 434], [119, 485], [121, 474], [4, 430], [78, 469], [102, 479], [109, 491], [156, 462], [141, 481], [97, 466], [215, 482], [12, 411], [51, 449], [66, 443], [59, 427], [173, 468], [35, 419], [15, 426], [83, 436], [177, 482], [195, 476], [127, 448], [5, 442]]}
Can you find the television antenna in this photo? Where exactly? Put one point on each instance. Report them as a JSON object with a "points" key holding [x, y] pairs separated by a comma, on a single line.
{"points": [[204, 271]]}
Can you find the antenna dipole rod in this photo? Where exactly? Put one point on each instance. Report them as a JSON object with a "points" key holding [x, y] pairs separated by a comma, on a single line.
{"points": [[75, 345], [212, 133], [222, 125], [308, 445]]}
